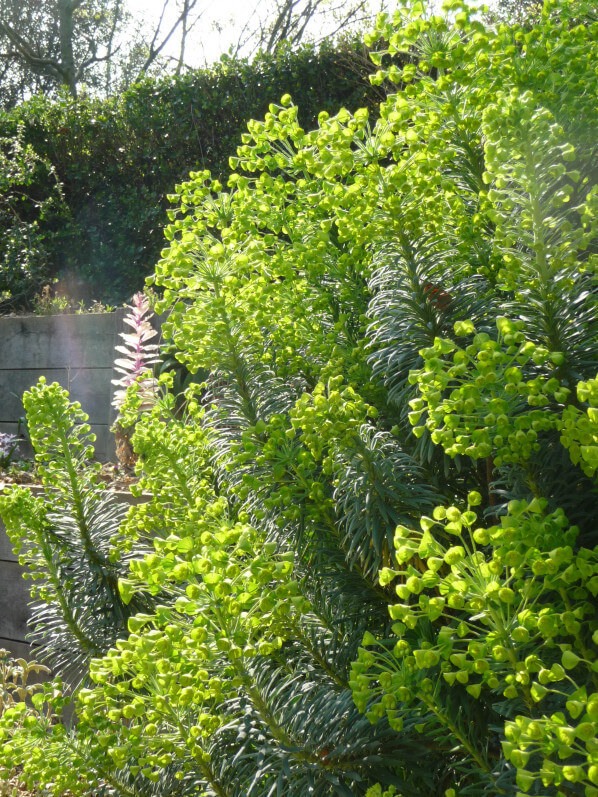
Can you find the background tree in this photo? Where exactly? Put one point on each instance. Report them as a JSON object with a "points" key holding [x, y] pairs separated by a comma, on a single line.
{"points": [[17, 78], [67, 43], [289, 22], [183, 21], [57, 44]]}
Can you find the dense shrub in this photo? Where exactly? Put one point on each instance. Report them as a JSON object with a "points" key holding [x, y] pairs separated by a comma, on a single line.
{"points": [[118, 159], [375, 563], [31, 203]]}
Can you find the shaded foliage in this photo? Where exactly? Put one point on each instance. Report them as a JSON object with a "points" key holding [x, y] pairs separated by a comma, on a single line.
{"points": [[117, 159]]}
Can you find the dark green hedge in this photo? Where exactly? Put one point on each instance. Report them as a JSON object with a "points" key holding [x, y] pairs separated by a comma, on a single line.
{"points": [[118, 159]]}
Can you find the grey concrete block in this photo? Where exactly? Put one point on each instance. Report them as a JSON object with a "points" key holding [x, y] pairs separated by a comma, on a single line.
{"points": [[6, 553], [14, 600], [104, 444], [18, 650], [89, 386], [75, 341]]}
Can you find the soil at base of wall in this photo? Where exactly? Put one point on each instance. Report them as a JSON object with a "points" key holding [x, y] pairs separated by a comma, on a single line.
{"points": [[113, 476], [14, 788]]}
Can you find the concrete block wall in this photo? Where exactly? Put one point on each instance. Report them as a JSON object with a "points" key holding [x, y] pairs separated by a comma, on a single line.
{"points": [[14, 599], [77, 351]]}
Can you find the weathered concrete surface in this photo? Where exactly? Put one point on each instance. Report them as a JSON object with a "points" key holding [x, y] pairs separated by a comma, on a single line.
{"points": [[18, 650], [77, 351], [90, 386], [60, 341], [14, 599], [6, 554]]}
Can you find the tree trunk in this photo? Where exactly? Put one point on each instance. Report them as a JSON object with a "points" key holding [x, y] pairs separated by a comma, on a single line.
{"points": [[67, 60]]}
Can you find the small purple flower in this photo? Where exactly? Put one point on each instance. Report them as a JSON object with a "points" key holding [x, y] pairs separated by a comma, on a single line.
{"points": [[9, 443]]}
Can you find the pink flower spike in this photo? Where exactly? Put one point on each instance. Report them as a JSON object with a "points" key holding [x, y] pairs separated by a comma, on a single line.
{"points": [[139, 355]]}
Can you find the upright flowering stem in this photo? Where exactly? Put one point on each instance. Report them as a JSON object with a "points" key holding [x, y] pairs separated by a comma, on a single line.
{"points": [[135, 367]]}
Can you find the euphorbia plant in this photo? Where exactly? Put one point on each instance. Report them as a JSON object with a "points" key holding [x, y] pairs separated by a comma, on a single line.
{"points": [[398, 325], [487, 611], [66, 538], [183, 700]]}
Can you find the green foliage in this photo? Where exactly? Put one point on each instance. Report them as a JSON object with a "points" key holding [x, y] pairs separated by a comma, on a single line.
{"points": [[374, 561], [579, 427], [65, 540], [118, 159], [30, 194], [380, 250], [508, 610], [212, 667]]}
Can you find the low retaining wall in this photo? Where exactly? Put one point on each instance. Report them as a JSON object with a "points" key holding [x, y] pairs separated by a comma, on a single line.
{"points": [[77, 351], [14, 599]]}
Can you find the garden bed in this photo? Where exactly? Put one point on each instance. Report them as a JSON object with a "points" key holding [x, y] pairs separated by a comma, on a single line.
{"points": [[23, 472]]}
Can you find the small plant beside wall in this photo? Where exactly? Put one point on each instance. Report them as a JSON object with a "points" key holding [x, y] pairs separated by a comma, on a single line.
{"points": [[50, 302], [9, 444], [14, 680]]}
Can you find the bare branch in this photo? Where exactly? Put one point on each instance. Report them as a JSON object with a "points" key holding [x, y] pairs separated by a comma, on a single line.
{"points": [[158, 26], [185, 14], [281, 25], [95, 59], [241, 42], [154, 51], [293, 20], [25, 53], [351, 17], [116, 17]]}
